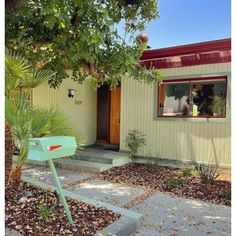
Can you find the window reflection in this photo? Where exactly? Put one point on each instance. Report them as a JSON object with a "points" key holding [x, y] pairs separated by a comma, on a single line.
{"points": [[174, 99], [194, 98], [208, 98]]}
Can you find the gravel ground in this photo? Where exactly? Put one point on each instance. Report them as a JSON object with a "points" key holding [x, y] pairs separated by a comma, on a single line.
{"points": [[171, 180], [22, 213]]}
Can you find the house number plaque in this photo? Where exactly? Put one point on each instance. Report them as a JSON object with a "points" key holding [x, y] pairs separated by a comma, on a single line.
{"points": [[78, 102]]}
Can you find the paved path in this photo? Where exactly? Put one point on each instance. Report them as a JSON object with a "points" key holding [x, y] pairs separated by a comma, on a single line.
{"points": [[11, 232], [115, 194], [164, 215], [174, 216], [107, 192], [45, 175]]}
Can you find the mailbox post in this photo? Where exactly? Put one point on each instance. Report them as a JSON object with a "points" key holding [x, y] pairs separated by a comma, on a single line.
{"points": [[49, 148]]}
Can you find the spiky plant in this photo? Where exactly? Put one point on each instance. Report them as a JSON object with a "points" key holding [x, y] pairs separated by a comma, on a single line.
{"points": [[18, 115], [20, 78], [52, 121], [28, 121]]}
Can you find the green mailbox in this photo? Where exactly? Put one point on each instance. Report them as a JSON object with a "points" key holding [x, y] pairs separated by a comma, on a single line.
{"points": [[44, 149], [49, 148]]}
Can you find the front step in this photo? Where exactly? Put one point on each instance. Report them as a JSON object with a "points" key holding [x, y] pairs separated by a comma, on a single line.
{"points": [[81, 165], [103, 156], [107, 146], [94, 159], [91, 159], [74, 165]]}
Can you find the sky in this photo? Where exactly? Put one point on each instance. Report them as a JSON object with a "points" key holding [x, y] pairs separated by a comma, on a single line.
{"points": [[189, 21]]}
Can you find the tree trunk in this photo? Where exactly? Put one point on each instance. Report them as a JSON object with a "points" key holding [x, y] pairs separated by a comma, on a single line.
{"points": [[15, 176], [9, 150], [11, 5]]}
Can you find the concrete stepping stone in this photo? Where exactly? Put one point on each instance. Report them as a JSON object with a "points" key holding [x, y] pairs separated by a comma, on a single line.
{"points": [[45, 175], [170, 215], [105, 191]]}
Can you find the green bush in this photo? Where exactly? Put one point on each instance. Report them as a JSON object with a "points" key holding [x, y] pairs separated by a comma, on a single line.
{"points": [[153, 167], [172, 183], [208, 172], [225, 193], [187, 172], [44, 211], [134, 141]]}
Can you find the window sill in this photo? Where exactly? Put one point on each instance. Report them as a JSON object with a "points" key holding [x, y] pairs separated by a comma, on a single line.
{"points": [[193, 119]]}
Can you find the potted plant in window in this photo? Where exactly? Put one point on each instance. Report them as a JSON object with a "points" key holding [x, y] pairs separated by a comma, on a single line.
{"points": [[217, 106]]}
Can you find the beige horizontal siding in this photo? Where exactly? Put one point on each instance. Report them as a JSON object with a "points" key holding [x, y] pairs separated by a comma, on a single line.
{"points": [[83, 116], [197, 140]]}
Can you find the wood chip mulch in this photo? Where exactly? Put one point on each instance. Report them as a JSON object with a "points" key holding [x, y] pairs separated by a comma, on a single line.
{"points": [[136, 174], [22, 214]]}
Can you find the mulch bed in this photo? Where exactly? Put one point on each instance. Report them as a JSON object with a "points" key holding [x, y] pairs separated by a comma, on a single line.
{"points": [[136, 174], [22, 214]]}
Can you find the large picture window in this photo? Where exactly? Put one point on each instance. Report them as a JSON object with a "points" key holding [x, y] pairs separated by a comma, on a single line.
{"points": [[198, 97]]}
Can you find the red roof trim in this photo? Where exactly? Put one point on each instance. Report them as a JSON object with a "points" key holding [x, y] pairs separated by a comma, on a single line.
{"points": [[218, 51]]}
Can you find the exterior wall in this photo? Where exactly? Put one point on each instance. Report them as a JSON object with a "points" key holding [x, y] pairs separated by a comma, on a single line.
{"points": [[198, 139], [83, 116]]}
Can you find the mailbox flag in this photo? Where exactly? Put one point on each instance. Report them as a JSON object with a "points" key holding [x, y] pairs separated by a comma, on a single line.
{"points": [[51, 148]]}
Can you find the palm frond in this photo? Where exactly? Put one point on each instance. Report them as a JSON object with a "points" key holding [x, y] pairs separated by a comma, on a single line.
{"points": [[19, 70], [38, 77], [52, 121], [16, 66], [18, 114]]}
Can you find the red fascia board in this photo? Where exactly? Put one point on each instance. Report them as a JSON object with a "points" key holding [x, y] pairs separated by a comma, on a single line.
{"points": [[216, 45], [188, 60]]}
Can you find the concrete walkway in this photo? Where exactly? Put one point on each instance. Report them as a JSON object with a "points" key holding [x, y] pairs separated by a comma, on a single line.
{"points": [[44, 174], [174, 216], [163, 214], [101, 190], [11, 232]]}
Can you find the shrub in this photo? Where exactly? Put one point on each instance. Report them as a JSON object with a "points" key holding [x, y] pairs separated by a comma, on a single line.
{"points": [[172, 183], [27, 121], [134, 141], [44, 211], [208, 172], [225, 193], [153, 167], [187, 172]]}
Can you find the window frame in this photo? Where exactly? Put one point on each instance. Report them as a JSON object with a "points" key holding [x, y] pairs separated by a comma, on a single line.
{"points": [[190, 80]]}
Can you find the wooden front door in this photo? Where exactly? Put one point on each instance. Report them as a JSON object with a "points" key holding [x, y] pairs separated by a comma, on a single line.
{"points": [[115, 116]]}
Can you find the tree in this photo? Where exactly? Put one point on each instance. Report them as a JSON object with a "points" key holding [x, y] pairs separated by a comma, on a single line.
{"points": [[82, 36]]}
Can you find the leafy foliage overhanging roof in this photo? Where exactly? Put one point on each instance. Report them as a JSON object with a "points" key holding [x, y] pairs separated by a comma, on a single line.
{"points": [[82, 35]]}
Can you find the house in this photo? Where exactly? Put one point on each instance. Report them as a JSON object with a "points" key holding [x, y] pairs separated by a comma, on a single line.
{"points": [[186, 118]]}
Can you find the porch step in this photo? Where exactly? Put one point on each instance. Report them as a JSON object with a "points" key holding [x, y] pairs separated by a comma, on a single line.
{"points": [[95, 155], [81, 165], [90, 159], [107, 146], [94, 159], [74, 165]]}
